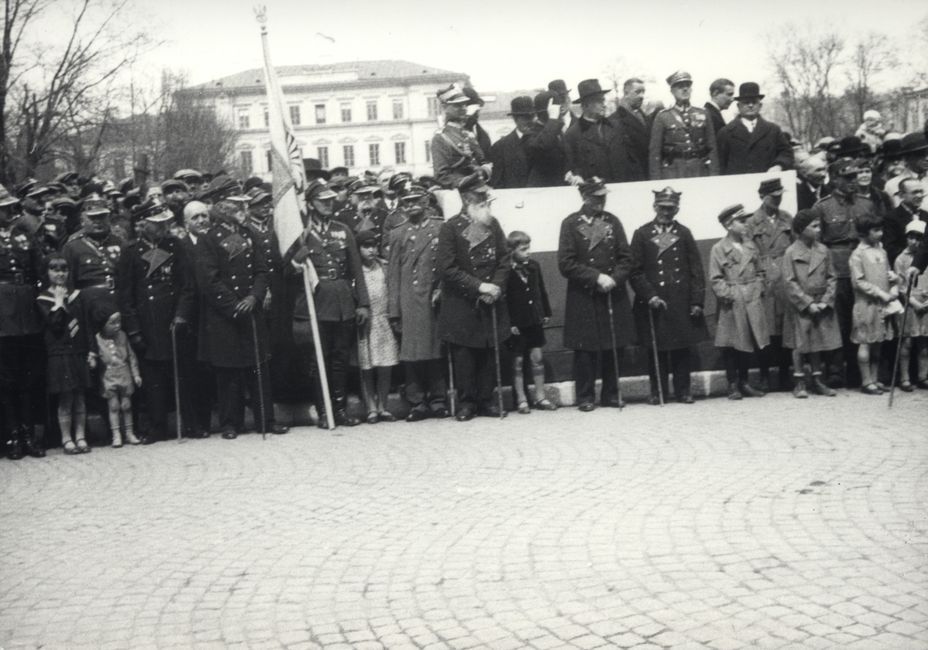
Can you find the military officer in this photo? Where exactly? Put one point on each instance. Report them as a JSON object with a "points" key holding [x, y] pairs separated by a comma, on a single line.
{"points": [[156, 296], [594, 256], [669, 283], [21, 343], [455, 151], [474, 263], [682, 138], [340, 298], [92, 254], [232, 279], [413, 294]]}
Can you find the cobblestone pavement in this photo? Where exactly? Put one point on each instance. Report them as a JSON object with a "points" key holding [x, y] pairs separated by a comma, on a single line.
{"points": [[773, 523]]}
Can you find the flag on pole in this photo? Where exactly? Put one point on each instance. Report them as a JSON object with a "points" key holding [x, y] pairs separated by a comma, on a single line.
{"points": [[289, 178]]}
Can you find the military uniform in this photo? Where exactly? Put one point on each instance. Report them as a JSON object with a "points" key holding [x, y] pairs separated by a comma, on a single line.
{"points": [[682, 144], [93, 267], [455, 154]]}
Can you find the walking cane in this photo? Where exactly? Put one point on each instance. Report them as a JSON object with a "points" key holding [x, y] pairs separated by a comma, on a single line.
{"points": [[452, 391], [657, 361], [615, 350], [176, 382], [905, 313], [254, 339], [499, 376]]}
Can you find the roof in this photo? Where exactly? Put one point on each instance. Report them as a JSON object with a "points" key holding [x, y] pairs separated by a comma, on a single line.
{"points": [[344, 74]]}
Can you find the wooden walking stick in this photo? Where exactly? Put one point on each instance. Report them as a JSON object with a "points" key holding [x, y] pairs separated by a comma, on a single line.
{"points": [[657, 360], [615, 350], [905, 313], [254, 338], [452, 391], [499, 376], [178, 416]]}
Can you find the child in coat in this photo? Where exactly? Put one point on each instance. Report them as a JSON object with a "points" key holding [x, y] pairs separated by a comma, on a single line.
{"points": [[67, 345], [529, 312], [810, 326], [875, 301], [737, 280], [916, 321], [119, 374]]}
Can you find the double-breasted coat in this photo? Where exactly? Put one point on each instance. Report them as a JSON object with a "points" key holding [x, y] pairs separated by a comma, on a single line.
{"points": [[470, 254], [737, 278], [772, 236], [20, 271], [809, 277], [682, 144], [229, 267], [588, 247], [93, 266], [667, 264], [412, 277], [155, 285], [752, 152]]}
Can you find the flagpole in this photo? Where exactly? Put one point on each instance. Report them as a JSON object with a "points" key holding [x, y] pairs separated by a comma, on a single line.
{"points": [[317, 344]]}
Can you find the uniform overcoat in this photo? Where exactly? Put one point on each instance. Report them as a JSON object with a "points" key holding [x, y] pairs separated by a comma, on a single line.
{"points": [[682, 144]]}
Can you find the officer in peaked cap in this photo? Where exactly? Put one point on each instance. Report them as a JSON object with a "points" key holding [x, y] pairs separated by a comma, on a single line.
{"points": [[156, 295], [682, 140], [668, 281], [93, 253], [455, 150], [233, 281], [192, 178], [594, 256], [176, 194]]}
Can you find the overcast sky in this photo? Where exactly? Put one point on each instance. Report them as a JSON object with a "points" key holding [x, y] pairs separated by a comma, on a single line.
{"points": [[511, 45]]}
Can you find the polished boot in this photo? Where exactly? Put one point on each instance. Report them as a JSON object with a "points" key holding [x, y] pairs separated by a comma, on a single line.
{"points": [[799, 387], [33, 445], [734, 392], [14, 445], [818, 387]]}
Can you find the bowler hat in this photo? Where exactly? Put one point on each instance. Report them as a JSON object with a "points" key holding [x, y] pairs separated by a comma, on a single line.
{"points": [[522, 105], [913, 143], [890, 149], [770, 186], [848, 147], [732, 212], [541, 101], [748, 90], [667, 196], [558, 87], [589, 88], [313, 168]]}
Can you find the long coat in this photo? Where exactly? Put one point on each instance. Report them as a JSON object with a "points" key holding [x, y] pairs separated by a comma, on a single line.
{"points": [[637, 135], [585, 250], [808, 277], [470, 254], [155, 285], [772, 238], [744, 152], [737, 279], [597, 149], [230, 267], [20, 271], [510, 162], [668, 265], [547, 155], [412, 277], [682, 145]]}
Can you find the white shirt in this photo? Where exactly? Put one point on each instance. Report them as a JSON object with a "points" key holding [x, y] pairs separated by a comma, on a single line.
{"points": [[749, 124]]}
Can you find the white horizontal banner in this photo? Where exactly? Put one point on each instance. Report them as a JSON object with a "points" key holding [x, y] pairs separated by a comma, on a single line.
{"points": [[540, 210]]}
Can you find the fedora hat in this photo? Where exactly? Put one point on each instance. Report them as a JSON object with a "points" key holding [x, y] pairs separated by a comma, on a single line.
{"points": [[913, 143], [748, 90], [589, 88], [522, 105], [312, 167]]}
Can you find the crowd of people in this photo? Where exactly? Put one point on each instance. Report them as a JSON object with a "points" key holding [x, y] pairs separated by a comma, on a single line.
{"points": [[177, 296]]}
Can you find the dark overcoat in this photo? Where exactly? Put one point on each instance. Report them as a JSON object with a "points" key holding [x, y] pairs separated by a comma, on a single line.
{"points": [[668, 265], [470, 254], [20, 272], [637, 135], [510, 162], [744, 152], [155, 285], [597, 149], [585, 250], [229, 267], [715, 116], [547, 155]]}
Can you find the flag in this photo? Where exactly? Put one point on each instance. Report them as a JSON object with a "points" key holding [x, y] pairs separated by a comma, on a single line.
{"points": [[289, 178]]}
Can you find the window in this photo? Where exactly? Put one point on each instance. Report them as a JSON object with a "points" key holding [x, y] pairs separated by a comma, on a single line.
{"points": [[245, 158], [433, 106], [346, 112], [428, 152], [372, 110], [374, 151], [322, 153], [267, 155], [320, 113], [267, 119], [244, 119], [295, 115], [399, 149], [348, 154], [397, 109]]}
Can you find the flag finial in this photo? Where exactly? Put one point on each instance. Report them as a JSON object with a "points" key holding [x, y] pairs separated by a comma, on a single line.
{"points": [[261, 16]]}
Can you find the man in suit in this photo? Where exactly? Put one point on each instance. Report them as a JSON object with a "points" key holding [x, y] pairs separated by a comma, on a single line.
{"points": [[721, 95], [562, 98], [595, 145], [455, 151], [636, 127], [682, 139], [810, 181], [547, 156], [894, 238], [751, 144], [509, 154]]}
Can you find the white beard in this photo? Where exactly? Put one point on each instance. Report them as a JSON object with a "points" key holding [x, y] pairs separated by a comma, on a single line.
{"points": [[480, 214]]}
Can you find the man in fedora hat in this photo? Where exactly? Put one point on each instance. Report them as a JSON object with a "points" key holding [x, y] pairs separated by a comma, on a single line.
{"points": [[455, 151], [595, 144], [547, 156], [682, 139], [509, 154], [749, 144], [636, 127], [914, 151], [558, 88]]}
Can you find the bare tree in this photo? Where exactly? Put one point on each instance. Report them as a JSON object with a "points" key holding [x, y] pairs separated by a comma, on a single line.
{"points": [[873, 54]]}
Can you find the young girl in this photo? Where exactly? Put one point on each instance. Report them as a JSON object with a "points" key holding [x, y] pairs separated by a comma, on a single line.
{"points": [[874, 293], [67, 343], [378, 351], [810, 326], [916, 322], [120, 374]]}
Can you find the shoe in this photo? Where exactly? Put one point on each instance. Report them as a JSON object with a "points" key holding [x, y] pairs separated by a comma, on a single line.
{"points": [[524, 408], [883, 387], [922, 383], [799, 389], [229, 434], [70, 448], [545, 404], [465, 413], [277, 429], [818, 387], [749, 391], [373, 418], [763, 385], [906, 387], [342, 419], [33, 446], [82, 447], [654, 399], [117, 439], [386, 416], [686, 398], [14, 448], [131, 439], [616, 403], [419, 413], [146, 439], [586, 407], [439, 412], [196, 434], [871, 389], [734, 393]]}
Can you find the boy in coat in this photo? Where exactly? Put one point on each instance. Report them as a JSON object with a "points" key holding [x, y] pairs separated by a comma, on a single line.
{"points": [[737, 279]]}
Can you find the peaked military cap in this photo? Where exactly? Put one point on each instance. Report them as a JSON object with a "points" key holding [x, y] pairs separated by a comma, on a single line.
{"points": [[319, 191], [475, 184], [731, 213], [452, 95], [770, 186], [595, 186], [398, 181], [6, 198], [679, 77], [155, 211], [413, 191], [667, 196], [174, 184]]}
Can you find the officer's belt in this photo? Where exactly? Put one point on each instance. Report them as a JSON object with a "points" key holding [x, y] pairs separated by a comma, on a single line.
{"points": [[16, 278], [671, 153], [330, 274], [109, 284]]}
